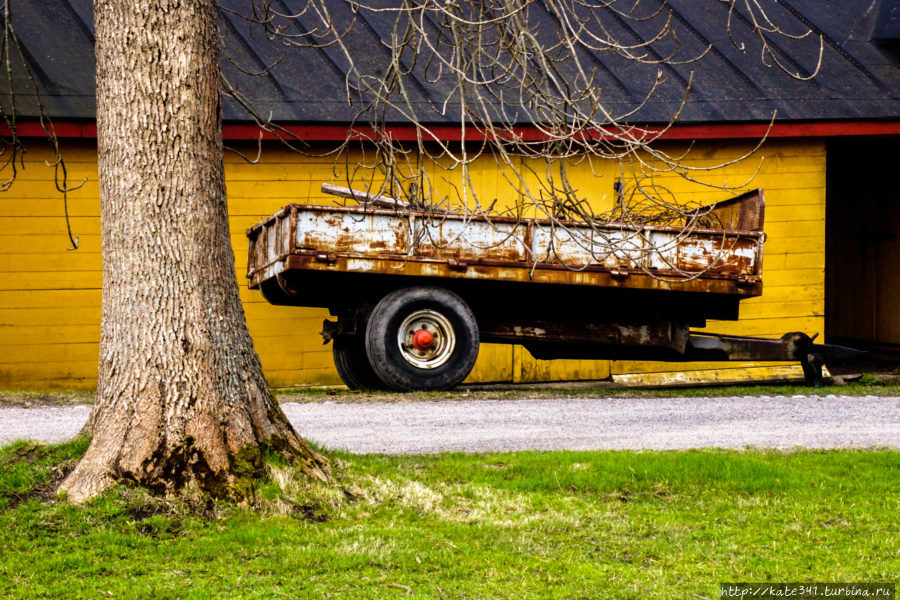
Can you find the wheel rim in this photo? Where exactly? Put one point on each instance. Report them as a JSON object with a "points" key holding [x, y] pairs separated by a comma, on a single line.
{"points": [[426, 339]]}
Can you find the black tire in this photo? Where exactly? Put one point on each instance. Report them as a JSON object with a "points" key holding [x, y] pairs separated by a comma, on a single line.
{"points": [[454, 339], [352, 365]]}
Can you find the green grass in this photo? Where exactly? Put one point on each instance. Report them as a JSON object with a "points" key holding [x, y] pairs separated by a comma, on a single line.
{"points": [[514, 525]]}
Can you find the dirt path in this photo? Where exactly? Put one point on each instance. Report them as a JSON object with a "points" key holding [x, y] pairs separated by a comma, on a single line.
{"points": [[546, 424]]}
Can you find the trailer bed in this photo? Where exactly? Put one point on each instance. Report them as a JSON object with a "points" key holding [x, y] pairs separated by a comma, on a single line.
{"points": [[723, 260]]}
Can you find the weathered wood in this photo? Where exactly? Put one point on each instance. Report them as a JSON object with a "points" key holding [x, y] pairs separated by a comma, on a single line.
{"points": [[255, 191], [181, 399]]}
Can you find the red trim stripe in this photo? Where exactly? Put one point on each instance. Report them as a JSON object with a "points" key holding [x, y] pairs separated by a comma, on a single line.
{"points": [[243, 131]]}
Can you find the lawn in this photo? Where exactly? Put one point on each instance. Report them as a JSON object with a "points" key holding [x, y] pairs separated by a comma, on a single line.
{"points": [[513, 525]]}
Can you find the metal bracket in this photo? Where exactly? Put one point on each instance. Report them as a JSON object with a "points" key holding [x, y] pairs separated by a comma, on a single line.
{"points": [[329, 331], [457, 265], [348, 323], [812, 363]]}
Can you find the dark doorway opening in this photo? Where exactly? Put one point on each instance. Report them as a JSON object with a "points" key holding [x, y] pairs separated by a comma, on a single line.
{"points": [[862, 255]]}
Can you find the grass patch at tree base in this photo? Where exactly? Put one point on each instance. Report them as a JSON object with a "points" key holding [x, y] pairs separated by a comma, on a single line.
{"points": [[508, 525]]}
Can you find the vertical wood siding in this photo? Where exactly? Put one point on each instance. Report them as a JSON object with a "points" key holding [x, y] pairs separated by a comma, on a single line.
{"points": [[50, 296]]}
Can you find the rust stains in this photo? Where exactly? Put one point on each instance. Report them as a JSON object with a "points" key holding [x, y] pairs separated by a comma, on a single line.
{"points": [[722, 260]]}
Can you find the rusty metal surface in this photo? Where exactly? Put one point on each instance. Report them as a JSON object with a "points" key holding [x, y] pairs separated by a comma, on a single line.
{"points": [[516, 272], [659, 334], [371, 240], [271, 241], [745, 212]]}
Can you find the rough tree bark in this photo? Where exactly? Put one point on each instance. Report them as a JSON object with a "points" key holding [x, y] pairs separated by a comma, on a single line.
{"points": [[181, 399]]}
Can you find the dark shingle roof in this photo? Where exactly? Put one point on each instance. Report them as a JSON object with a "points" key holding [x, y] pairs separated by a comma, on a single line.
{"points": [[858, 80]]}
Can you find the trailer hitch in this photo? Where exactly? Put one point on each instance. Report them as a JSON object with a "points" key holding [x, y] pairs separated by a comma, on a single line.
{"points": [[817, 355], [790, 347]]}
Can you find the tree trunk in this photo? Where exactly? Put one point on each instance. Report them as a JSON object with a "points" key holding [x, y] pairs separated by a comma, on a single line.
{"points": [[181, 399]]}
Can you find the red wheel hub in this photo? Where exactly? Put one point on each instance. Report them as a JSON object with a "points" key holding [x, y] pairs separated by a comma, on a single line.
{"points": [[422, 339]]}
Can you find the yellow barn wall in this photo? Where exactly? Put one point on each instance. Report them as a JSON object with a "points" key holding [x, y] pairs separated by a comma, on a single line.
{"points": [[50, 296], [792, 175]]}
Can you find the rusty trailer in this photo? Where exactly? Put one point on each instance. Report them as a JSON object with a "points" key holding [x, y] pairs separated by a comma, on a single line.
{"points": [[415, 292]]}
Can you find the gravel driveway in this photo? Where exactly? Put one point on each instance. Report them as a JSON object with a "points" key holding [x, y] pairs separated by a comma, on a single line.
{"points": [[565, 423]]}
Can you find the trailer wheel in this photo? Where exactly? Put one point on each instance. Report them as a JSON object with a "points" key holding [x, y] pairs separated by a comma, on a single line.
{"points": [[422, 338], [352, 364]]}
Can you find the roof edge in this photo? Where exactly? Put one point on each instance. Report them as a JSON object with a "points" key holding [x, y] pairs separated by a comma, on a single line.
{"points": [[335, 133]]}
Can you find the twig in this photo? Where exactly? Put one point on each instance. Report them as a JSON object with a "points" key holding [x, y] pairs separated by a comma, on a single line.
{"points": [[363, 197], [400, 586]]}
